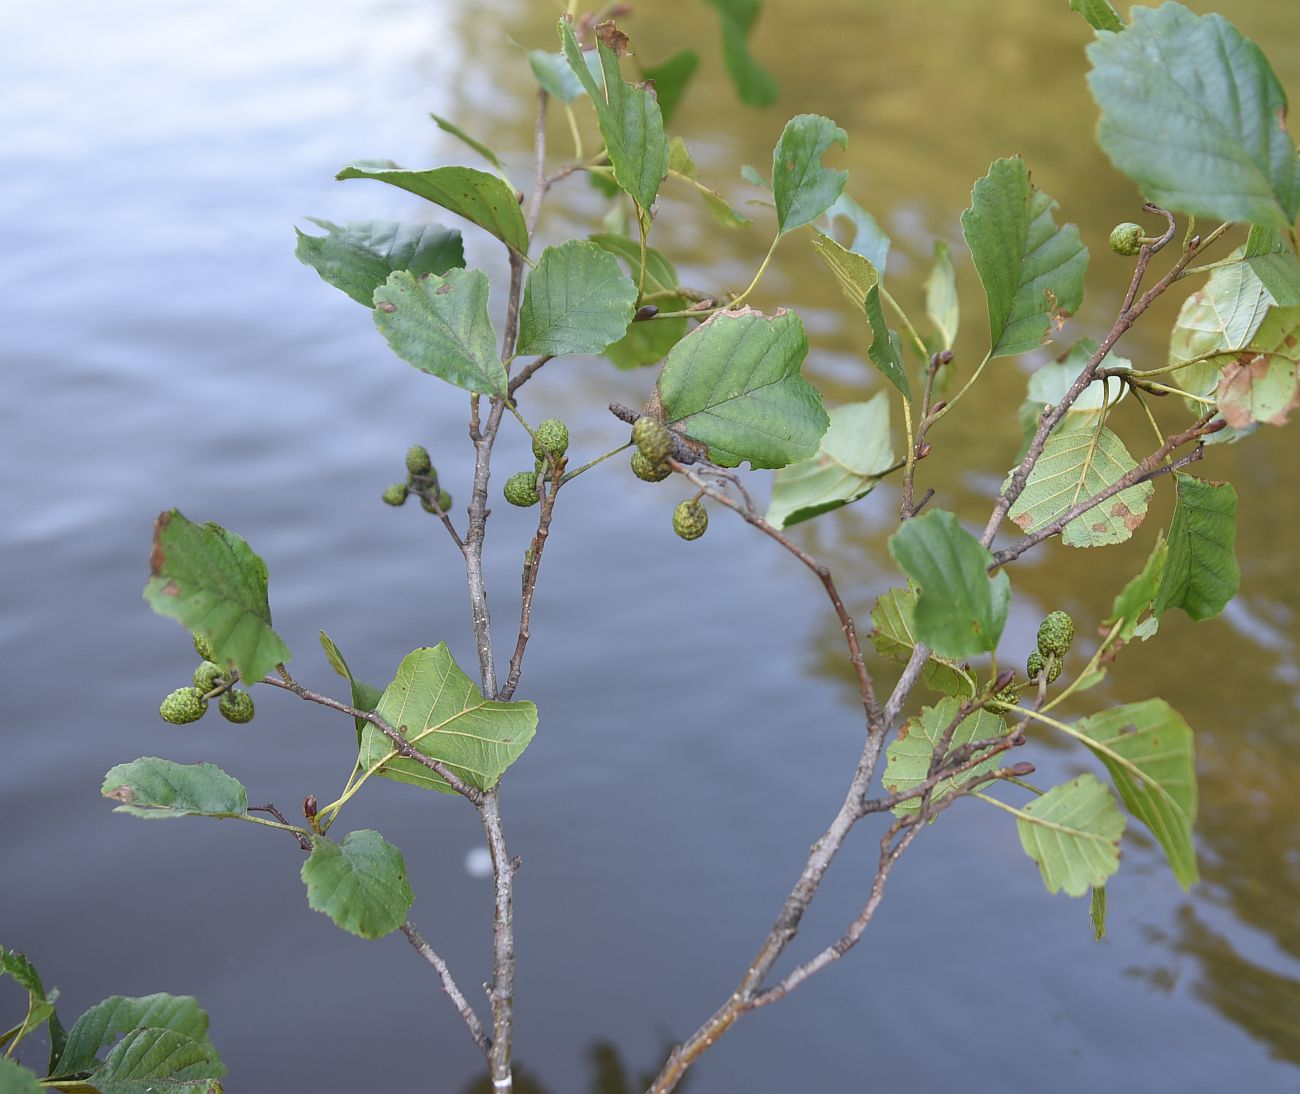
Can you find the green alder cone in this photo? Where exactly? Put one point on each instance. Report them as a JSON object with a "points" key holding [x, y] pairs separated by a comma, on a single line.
{"points": [[521, 489], [206, 677], [551, 439], [1126, 238], [237, 707], [396, 494], [444, 501], [203, 648], [652, 439], [648, 470], [418, 461], [690, 520], [1037, 662], [183, 705], [1056, 635]]}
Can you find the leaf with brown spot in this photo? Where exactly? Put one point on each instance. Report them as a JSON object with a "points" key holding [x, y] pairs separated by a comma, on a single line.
{"points": [[213, 582], [1076, 465], [613, 38]]}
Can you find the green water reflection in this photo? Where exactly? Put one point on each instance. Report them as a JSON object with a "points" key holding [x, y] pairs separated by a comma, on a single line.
{"points": [[930, 93]]}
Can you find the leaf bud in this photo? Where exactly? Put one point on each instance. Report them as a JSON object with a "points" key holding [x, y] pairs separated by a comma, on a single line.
{"points": [[203, 647], [183, 705], [644, 312], [1126, 238], [551, 439], [521, 489], [648, 470], [1056, 634], [236, 706], [417, 460], [206, 677], [690, 519]]}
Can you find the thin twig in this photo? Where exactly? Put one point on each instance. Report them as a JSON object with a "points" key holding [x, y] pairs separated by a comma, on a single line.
{"points": [[400, 744], [890, 853], [1134, 307], [302, 839], [1147, 469], [453, 993], [529, 583], [525, 374], [866, 689], [920, 449]]}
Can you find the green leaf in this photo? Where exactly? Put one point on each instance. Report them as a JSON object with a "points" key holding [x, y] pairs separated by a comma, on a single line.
{"points": [[1202, 574], [734, 384], [210, 580], [576, 300], [1261, 383], [670, 79], [1147, 748], [443, 714], [1050, 383], [40, 1005], [1101, 15], [907, 760], [886, 352], [646, 343], [941, 296], [120, 1014], [751, 175], [16, 1079], [1275, 264], [1073, 833], [1075, 466], [1097, 912], [630, 121], [894, 635], [681, 164], [556, 77], [754, 84], [1192, 112], [364, 696], [1137, 597], [360, 884], [151, 1061], [855, 452], [1032, 271], [802, 187], [460, 134], [855, 273], [860, 283], [1220, 317], [441, 326], [358, 258], [150, 787], [869, 239], [485, 199], [961, 610]]}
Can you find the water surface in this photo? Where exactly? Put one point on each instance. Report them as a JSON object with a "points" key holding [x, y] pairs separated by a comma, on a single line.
{"points": [[163, 347]]}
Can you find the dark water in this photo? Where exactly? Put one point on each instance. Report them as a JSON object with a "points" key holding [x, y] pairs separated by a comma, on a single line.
{"points": [[163, 347]]}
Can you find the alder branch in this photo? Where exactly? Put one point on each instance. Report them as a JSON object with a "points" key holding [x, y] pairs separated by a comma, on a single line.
{"points": [[529, 580], [920, 448], [866, 688], [429, 491], [1134, 306], [449, 987], [400, 744], [1147, 469], [890, 853]]}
